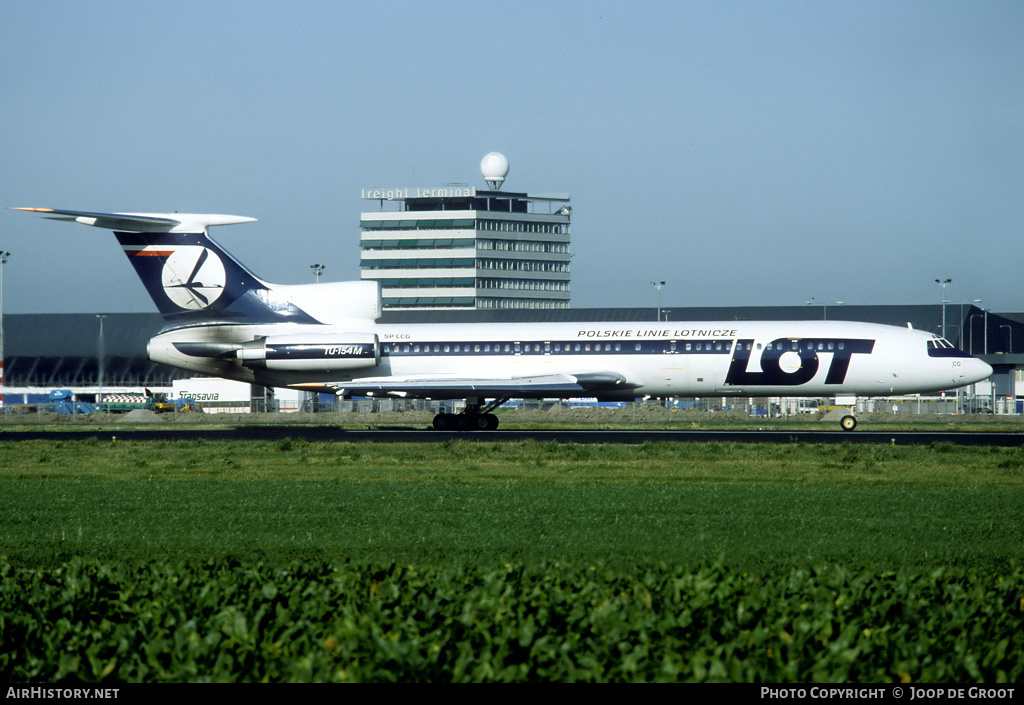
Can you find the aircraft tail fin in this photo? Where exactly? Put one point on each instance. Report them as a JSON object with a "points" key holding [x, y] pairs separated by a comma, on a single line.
{"points": [[190, 278]]}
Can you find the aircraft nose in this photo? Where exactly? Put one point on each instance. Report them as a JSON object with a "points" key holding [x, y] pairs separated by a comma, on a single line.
{"points": [[977, 370]]}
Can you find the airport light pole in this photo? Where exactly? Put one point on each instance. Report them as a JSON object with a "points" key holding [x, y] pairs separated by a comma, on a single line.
{"points": [[658, 285], [942, 283], [317, 269], [3, 260], [986, 330], [99, 376], [824, 307], [960, 328], [984, 316]]}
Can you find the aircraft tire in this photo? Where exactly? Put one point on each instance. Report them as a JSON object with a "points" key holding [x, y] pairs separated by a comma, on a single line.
{"points": [[465, 422], [848, 422], [444, 422], [484, 422]]}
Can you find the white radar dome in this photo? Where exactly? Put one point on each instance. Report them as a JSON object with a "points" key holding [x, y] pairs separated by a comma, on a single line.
{"points": [[495, 168]]}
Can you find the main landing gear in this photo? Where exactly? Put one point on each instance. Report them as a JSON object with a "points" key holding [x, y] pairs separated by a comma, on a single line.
{"points": [[474, 418], [848, 422]]}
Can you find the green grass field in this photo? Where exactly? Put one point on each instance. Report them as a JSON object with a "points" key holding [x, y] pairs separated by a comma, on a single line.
{"points": [[680, 502], [469, 512]]}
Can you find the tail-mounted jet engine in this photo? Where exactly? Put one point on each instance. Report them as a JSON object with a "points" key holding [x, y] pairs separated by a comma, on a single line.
{"points": [[306, 353]]}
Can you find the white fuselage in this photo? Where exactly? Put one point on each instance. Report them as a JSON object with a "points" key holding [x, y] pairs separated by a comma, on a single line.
{"points": [[226, 322], [735, 358]]}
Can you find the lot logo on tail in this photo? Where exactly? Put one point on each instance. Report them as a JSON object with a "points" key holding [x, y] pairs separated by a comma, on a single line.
{"points": [[193, 277]]}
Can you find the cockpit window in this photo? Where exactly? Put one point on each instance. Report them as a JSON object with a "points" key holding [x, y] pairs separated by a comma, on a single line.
{"points": [[936, 343]]}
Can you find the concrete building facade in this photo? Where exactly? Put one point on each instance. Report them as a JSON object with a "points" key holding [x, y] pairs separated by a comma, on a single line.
{"points": [[459, 247]]}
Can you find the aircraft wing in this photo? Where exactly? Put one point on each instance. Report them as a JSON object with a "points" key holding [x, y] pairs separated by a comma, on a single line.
{"points": [[537, 386]]}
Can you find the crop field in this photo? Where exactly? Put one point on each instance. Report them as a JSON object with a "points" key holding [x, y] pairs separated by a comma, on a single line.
{"points": [[509, 561]]}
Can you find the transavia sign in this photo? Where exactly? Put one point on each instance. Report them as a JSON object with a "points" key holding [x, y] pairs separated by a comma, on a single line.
{"points": [[397, 194]]}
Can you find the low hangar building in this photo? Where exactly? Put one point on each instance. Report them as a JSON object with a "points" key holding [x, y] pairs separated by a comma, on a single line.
{"points": [[65, 351]]}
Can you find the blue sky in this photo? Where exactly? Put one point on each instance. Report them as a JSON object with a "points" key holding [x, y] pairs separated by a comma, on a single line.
{"points": [[761, 153]]}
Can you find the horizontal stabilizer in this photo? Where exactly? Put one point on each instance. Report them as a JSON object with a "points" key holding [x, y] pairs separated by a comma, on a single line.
{"points": [[142, 222]]}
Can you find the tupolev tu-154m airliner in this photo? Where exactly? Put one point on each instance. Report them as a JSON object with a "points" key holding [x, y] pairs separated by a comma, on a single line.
{"points": [[221, 320]]}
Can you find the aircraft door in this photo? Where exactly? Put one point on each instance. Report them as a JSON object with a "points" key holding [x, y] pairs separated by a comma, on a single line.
{"points": [[738, 349]]}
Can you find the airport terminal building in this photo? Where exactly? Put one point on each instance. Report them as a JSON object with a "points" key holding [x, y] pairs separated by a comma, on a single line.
{"points": [[459, 247]]}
